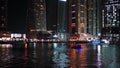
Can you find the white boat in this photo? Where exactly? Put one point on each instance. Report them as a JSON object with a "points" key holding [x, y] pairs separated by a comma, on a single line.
{"points": [[100, 42]]}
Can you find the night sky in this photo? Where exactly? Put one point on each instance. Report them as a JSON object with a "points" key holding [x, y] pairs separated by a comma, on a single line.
{"points": [[51, 8], [17, 15], [17, 11]]}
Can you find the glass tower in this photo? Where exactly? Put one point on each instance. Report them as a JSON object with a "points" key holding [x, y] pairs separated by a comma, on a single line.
{"points": [[62, 16], [62, 24]]}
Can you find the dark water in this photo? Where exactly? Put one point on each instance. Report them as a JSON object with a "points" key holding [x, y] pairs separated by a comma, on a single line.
{"points": [[59, 55]]}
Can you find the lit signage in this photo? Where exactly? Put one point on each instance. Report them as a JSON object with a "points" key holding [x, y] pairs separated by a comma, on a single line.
{"points": [[73, 25]]}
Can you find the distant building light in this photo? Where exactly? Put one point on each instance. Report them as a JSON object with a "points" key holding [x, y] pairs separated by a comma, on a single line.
{"points": [[73, 17], [62, 36], [0, 39], [73, 25], [55, 36], [73, 5], [99, 34], [18, 35], [73, 11], [113, 24], [63, 0]]}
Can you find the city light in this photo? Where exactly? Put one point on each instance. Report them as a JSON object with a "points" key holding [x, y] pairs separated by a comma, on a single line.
{"points": [[60, 33], [63, 0]]}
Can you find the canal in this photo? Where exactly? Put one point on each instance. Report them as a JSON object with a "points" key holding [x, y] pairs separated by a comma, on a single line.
{"points": [[59, 55]]}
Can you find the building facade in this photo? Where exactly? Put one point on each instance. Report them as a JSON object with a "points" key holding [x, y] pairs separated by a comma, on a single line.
{"points": [[111, 20], [94, 17], [62, 16], [3, 15], [82, 16], [36, 18], [73, 16], [85, 16], [62, 24]]}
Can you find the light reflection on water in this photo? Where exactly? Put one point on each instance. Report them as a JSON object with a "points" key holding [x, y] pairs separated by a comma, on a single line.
{"points": [[59, 55]]}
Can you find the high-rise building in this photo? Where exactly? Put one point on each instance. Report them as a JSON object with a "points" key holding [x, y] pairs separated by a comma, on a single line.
{"points": [[36, 18], [62, 16], [3, 15], [85, 16], [77, 16], [111, 20], [94, 16], [73, 16], [82, 16], [62, 24]]}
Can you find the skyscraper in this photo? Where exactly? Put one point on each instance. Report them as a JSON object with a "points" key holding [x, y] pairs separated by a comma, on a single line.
{"points": [[36, 18], [3, 15], [82, 16], [62, 16], [73, 16], [94, 16], [111, 20], [62, 24], [85, 16]]}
